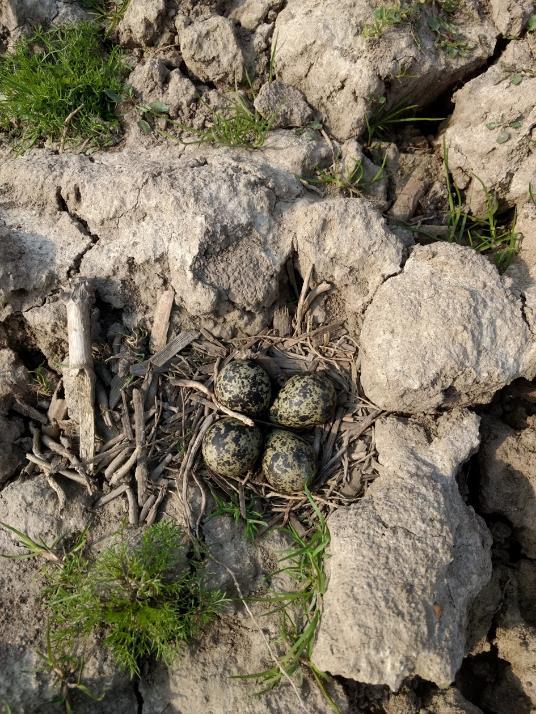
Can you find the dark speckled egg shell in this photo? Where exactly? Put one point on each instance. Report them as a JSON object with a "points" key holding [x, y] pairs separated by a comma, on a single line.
{"points": [[244, 386], [289, 462], [304, 401], [230, 448]]}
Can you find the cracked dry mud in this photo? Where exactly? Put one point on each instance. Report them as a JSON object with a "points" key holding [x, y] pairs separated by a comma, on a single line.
{"points": [[390, 147]]}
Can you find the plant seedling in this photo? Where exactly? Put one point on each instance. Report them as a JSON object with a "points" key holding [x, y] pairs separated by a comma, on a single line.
{"points": [[108, 13], [237, 126], [252, 521], [351, 183], [66, 670], [487, 234], [143, 599], [385, 117]]}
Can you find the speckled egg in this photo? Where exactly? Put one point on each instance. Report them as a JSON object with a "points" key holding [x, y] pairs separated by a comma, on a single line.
{"points": [[289, 462], [230, 448], [244, 386], [304, 401]]}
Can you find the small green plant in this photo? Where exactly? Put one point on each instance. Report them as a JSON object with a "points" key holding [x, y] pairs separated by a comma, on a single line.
{"points": [[439, 20], [252, 522], [504, 134], [42, 381], [301, 609], [385, 117], [62, 83], [142, 599], [448, 37], [353, 182], [36, 548], [237, 125], [486, 234], [386, 17], [148, 112], [107, 12], [66, 670]]}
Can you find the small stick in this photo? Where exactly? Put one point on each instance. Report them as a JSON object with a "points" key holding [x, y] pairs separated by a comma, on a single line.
{"points": [[242, 500], [79, 377], [106, 457], [38, 461], [111, 442], [123, 471], [132, 507], [187, 462], [125, 417], [68, 120], [154, 508], [203, 504], [73, 476], [236, 415], [139, 429], [26, 410], [103, 500], [158, 360], [57, 409], [301, 301], [61, 450], [60, 493], [322, 288], [102, 400], [159, 469], [36, 441], [364, 424], [192, 384], [146, 506], [116, 462], [162, 314]]}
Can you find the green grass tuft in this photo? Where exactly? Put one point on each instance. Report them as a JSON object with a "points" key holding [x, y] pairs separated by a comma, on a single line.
{"points": [[385, 117], [353, 182], [490, 233], [486, 234], [62, 84], [236, 126], [107, 12], [66, 670], [301, 609], [391, 15], [252, 520], [142, 600]]}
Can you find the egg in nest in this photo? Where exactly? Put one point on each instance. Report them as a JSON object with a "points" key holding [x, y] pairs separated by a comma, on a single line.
{"points": [[289, 462], [230, 448], [244, 386], [304, 401]]}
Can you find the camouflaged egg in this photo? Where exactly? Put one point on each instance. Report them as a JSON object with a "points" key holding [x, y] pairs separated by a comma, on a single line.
{"points": [[244, 386], [304, 401], [289, 462], [230, 448]]}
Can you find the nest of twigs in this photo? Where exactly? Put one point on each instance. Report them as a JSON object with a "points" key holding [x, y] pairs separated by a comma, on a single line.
{"points": [[153, 407]]}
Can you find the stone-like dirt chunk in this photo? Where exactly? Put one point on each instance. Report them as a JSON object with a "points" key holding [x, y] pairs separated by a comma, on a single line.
{"points": [[406, 561], [508, 478], [322, 51], [211, 51], [447, 331], [490, 136]]}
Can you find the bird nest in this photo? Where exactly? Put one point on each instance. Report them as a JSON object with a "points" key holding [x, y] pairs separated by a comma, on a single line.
{"points": [[154, 402]]}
